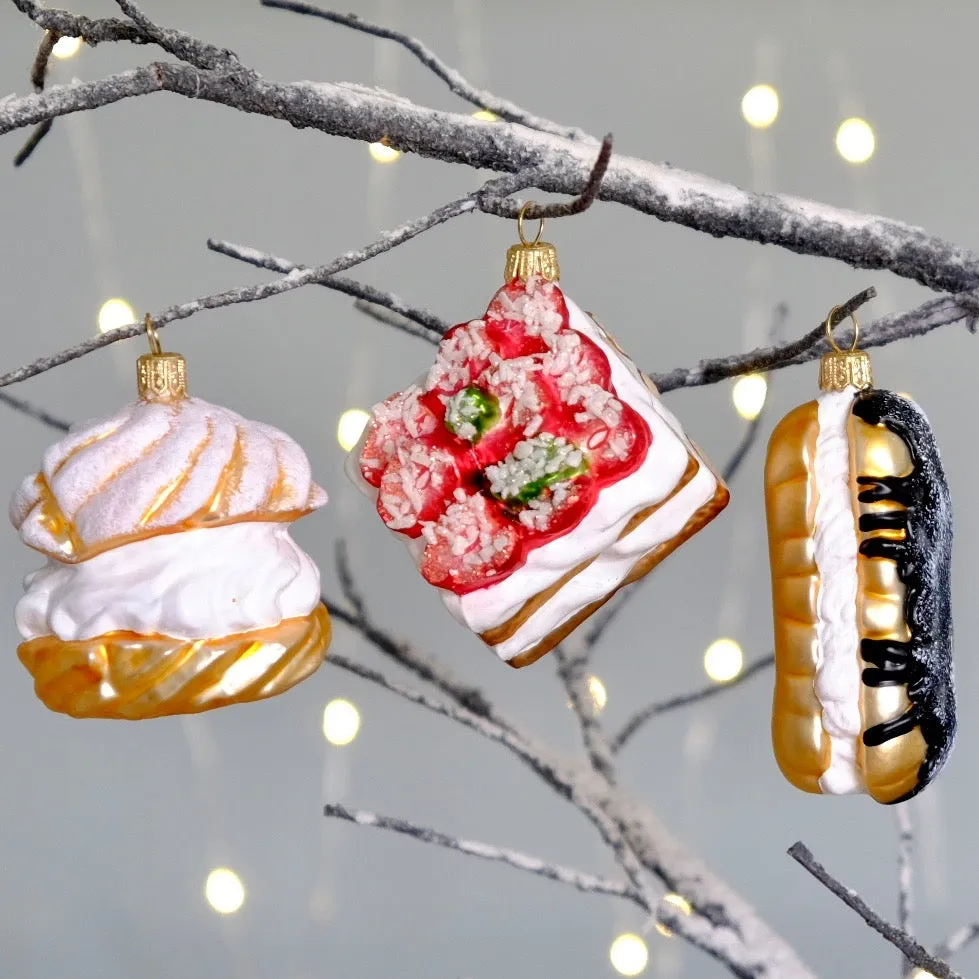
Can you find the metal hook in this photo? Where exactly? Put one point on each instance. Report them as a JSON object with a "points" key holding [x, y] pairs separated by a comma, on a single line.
{"points": [[520, 220], [829, 331], [152, 336]]}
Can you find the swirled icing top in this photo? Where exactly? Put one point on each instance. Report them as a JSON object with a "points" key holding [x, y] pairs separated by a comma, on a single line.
{"points": [[158, 467]]}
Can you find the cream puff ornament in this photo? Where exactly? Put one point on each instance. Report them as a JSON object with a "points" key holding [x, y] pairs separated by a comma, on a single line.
{"points": [[533, 471], [860, 538], [172, 585]]}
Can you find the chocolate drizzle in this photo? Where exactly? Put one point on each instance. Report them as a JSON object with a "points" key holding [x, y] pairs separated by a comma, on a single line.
{"points": [[923, 559]]}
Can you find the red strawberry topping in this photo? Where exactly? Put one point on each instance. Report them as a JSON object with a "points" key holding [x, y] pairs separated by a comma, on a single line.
{"points": [[508, 443]]}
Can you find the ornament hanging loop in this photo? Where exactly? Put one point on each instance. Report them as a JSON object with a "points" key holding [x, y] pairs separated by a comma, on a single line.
{"points": [[152, 336], [843, 367], [160, 376], [537, 259], [521, 217], [830, 326]]}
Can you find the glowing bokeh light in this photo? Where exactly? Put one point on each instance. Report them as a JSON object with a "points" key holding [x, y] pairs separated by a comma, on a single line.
{"points": [[855, 140], [759, 106], [341, 722], [351, 426], [599, 695], [383, 153], [748, 394], [486, 116], [224, 891], [682, 905], [723, 660], [628, 954], [67, 47], [115, 313]]}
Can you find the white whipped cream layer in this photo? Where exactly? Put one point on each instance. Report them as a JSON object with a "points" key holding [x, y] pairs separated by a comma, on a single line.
{"points": [[838, 678], [597, 536], [195, 584]]}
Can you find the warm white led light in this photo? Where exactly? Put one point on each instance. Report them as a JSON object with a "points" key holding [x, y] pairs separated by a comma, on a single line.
{"points": [[628, 954], [341, 722], [351, 426], [682, 905], [67, 47], [599, 695], [748, 394], [486, 115], [224, 891], [855, 140], [723, 660], [759, 106], [115, 313], [382, 153]]}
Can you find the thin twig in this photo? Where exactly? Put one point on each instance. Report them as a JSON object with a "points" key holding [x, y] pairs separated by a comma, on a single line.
{"points": [[423, 666], [39, 74], [506, 208], [905, 875], [958, 940], [180, 45], [917, 953], [657, 708], [245, 294], [485, 851], [571, 658], [455, 81], [421, 322], [92, 31], [32, 411]]}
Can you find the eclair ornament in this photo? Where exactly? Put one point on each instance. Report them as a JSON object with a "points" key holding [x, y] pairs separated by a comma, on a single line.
{"points": [[860, 539], [172, 585], [533, 471]]}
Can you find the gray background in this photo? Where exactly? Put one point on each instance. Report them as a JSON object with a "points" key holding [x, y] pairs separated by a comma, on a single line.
{"points": [[108, 830]]}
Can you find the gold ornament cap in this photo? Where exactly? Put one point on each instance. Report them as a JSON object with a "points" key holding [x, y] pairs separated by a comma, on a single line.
{"points": [[160, 376], [843, 368], [531, 258]]}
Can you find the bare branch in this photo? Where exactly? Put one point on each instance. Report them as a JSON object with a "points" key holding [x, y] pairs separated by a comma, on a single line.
{"points": [[456, 83], [32, 411], [39, 74], [670, 194], [905, 875], [421, 322], [657, 708], [915, 952], [485, 851], [504, 207]]}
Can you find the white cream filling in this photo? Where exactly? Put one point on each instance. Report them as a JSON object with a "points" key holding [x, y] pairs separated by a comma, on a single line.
{"points": [[597, 536], [838, 680], [195, 584]]}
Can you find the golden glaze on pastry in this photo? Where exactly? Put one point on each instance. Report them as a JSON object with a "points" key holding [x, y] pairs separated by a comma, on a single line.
{"points": [[132, 677]]}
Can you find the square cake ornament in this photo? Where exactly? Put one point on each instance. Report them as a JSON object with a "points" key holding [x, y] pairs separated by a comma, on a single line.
{"points": [[533, 471]]}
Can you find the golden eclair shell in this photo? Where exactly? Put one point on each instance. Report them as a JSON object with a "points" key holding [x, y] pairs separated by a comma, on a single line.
{"points": [[903, 528]]}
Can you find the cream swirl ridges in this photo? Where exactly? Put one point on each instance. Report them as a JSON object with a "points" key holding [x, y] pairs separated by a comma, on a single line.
{"points": [[156, 467]]}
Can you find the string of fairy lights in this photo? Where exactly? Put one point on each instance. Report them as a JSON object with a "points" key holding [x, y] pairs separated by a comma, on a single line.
{"points": [[723, 660]]}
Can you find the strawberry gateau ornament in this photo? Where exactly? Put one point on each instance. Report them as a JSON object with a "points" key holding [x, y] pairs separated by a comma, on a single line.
{"points": [[533, 471]]}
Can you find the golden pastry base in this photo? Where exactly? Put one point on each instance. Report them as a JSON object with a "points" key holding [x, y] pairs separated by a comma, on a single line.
{"points": [[131, 677]]}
